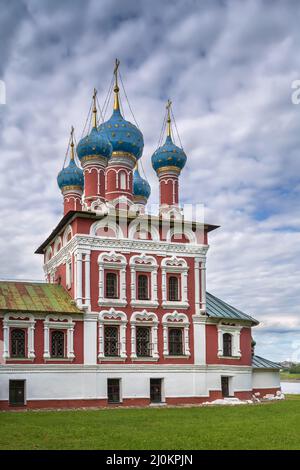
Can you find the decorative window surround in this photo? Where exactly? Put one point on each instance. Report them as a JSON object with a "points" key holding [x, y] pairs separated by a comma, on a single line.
{"points": [[58, 244], [53, 322], [12, 320], [112, 317], [144, 318], [235, 331], [113, 261], [143, 263], [175, 265], [176, 320]]}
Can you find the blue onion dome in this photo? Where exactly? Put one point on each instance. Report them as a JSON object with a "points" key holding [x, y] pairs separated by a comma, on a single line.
{"points": [[168, 155], [70, 176], [95, 144], [123, 135], [141, 187]]}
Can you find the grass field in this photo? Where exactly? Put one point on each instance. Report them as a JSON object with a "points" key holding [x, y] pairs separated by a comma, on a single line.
{"points": [[289, 376], [273, 425]]}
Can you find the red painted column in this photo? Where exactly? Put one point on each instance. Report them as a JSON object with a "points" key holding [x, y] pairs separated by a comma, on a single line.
{"points": [[72, 199], [119, 176], [94, 179], [168, 186]]}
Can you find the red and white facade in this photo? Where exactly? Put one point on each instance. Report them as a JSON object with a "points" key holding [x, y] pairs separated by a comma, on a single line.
{"points": [[142, 331]]}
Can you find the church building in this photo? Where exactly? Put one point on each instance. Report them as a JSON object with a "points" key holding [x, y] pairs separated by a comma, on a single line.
{"points": [[124, 316]]}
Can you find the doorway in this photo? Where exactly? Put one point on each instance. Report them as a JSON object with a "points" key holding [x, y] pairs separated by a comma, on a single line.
{"points": [[17, 392], [113, 390], [225, 387], [155, 390]]}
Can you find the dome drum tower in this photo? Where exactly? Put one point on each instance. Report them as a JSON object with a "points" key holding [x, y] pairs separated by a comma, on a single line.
{"points": [[168, 161], [127, 147], [94, 152], [70, 181]]}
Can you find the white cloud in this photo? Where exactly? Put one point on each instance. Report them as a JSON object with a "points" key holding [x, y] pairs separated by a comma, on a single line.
{"points": [[228, 66]]}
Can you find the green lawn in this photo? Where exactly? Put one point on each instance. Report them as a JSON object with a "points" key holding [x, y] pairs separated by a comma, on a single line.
{"points": [[289, 376], [265, 426]]}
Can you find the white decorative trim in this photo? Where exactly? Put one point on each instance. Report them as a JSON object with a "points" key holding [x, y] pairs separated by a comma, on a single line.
{"points": [[67, 231], [106, 223], [235, 331], [115, 261], [175, 265], [56, 322], [176, 319], [112, 317], [181, 230], [143, 263], [18, 320], [144, 318], [143, 224], [58, 242], [94, 243]]}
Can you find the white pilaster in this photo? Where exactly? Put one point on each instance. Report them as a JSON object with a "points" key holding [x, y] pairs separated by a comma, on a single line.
{"points": [[88, 280], [90, 338], [199, 325]]}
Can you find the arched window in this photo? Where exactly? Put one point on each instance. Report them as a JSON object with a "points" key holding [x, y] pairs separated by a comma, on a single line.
{"points": [[143, 288], [111, 286], [58, 344], [173, 288], [123, 184], [175, 341], [18, 343], [227, 344]]}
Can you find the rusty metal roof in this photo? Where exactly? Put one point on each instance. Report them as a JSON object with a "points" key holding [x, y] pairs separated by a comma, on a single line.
{"points": [[21, 296]]}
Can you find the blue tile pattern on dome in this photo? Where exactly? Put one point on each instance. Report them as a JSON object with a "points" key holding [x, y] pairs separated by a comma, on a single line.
{"points": [[70, 176], [141, 187], [96, 143], [168, 155], [123, 135]]}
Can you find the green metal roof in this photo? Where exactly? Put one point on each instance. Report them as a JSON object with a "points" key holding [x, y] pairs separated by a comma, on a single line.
{"points": [[35, 297], [217, 308], [261, 363]]}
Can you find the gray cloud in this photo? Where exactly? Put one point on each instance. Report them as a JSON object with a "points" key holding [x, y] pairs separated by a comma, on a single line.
{"points": [[228, 66]]}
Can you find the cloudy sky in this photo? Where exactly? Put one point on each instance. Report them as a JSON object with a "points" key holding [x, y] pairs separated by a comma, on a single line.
{"points": [[228, 66]]}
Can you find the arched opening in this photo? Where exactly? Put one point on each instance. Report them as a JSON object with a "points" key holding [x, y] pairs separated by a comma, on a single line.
{"points": [[111, 286], [173, 288], [122, 180], [143, 287], [227, 344]]}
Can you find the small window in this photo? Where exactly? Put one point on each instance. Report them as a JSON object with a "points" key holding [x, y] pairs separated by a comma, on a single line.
{"points": [[123, 184], [17, 392], [173, 288], [18, 343], [143, 345], [227, 344], [143, 287], [111, 290], [111, 343], [58, 344], [175, 341], [113, 390]]}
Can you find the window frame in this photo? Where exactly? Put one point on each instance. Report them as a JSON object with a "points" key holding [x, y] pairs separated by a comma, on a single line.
{"points": [[171, 329], [17, 356], [116, 287], [62, 334], [147, 287]]}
